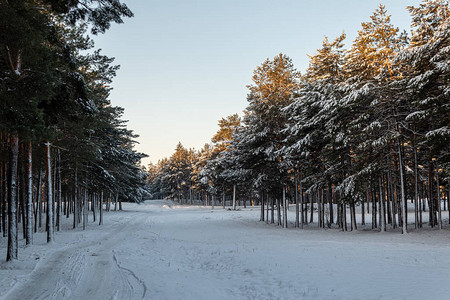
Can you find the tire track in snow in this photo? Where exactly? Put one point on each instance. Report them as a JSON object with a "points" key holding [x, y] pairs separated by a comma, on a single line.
{"points": [[132, 274], [85, 270]]}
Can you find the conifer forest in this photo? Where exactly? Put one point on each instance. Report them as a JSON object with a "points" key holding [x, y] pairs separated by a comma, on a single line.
{"points": [[333, 183], [63, 145], [363, 128]]}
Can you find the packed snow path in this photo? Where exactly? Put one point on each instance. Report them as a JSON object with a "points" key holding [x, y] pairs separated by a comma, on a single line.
{"points": [[162, 251]]}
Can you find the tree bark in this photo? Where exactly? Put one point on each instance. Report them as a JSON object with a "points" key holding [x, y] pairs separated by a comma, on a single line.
{"points": [[50, 231], [101, 209], [297, 206], [402, 186], [29, 234], [12, 205], [261, 217], [438, 199], [382, 212], [59, 199], [75, 200], [302, 218], [285, 223], [234, 196]]}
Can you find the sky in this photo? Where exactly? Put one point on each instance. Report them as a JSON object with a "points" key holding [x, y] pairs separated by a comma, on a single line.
{"points": [[185, 64]]}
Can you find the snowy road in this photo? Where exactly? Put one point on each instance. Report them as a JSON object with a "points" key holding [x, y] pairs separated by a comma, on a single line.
{"points": [[160, 251]]}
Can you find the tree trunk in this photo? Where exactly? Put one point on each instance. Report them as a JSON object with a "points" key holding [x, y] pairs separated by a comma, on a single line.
{"points": [[352, 216], [223, 198], [330, 204], [234, 196], [438, 199], [101, 209], [302, 219], [29, 234], [363, 212], [59, 199], [382, 213], [319, 209], [75, 200], [393, 201], [416, 183], [297, 205], [278, 212], [50, 232], [272, 212], [5, 200], [285, 205], [85, 209], [261, 217], [402, 186], [388, 200], [12, 205]]}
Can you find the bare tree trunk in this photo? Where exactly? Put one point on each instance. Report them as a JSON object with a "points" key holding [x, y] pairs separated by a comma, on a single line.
{"points": [[29, 234], [272, 216], [374, 207], [234, 196], [416, 193], [5, 200], [363, 212], [438, 199], [285, 205], [12, 205], [261, 217], [297, 205], [50, 232], [302, 219], [382, 213], [278, 212], [75, 200], [402, 186], [393, 201], [353, 215], [388, 200], [59, 210], [94, 208], [330, 204], [85, 209], [344, 215], [101, 209], [319, 209], [2, 183]]}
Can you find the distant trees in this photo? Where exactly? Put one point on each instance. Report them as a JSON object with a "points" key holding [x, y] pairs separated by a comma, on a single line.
{"points": [[367, 126], [56, 119]]}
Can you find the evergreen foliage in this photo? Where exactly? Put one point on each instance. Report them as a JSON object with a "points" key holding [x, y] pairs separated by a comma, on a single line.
{"points": [[363, 126], [54, 97]]}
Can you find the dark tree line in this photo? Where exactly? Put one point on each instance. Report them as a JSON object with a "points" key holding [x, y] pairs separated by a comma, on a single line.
{"points": [[64, 149], [367, 126]]}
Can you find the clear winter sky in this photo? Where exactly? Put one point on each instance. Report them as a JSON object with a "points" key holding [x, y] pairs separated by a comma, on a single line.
{"points": [[185, 64]]}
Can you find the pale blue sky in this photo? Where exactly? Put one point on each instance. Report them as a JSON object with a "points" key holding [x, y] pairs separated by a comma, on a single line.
{"points": [[185, 64]]}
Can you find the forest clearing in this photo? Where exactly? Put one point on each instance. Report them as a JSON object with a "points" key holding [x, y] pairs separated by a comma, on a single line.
{"points": [[328, 176], [161, 250]]}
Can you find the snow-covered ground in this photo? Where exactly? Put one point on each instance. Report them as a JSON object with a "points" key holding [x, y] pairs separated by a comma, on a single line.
{"points": [[159, 250]]}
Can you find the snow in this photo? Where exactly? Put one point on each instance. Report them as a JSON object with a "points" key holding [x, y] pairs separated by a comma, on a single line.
{"points": [[160, 250]]}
